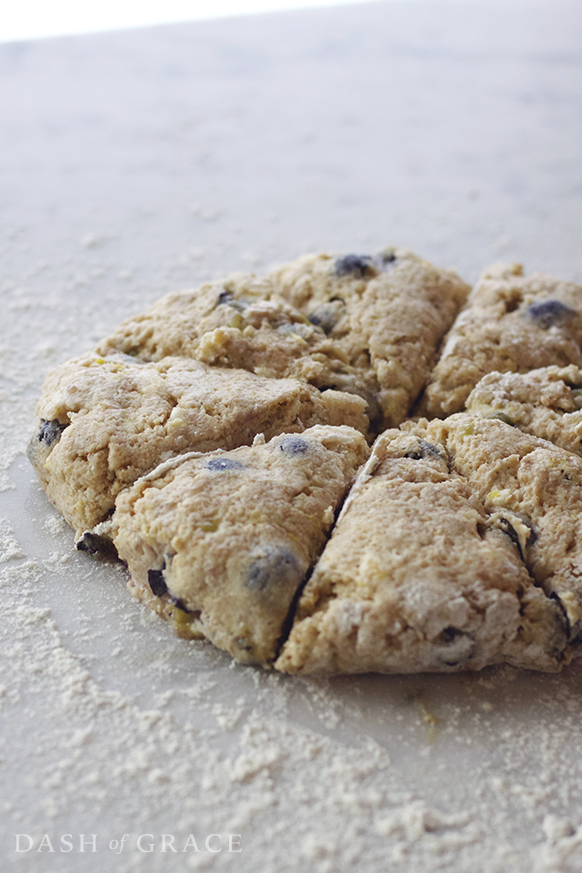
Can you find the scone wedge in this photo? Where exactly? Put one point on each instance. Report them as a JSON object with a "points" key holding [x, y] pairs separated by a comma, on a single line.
{"points": [[546, 403], [220, 543], [366, 324], [388, 313], [510, 323], [240, 322]]}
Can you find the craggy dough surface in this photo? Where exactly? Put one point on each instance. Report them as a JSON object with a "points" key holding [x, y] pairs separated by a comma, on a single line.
{"points": [[459, 546], [546, 403], [387, 313], [231, 535], [367, 325], [510, 324], [122, 417]]}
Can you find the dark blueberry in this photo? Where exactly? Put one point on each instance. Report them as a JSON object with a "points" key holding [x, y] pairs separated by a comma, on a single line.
{"points": [[158, 586], [244, 644], [550, 313], [505, 525], [510, 531], [157, 582], [327, 315], [424, 450], [224, 297], [223, 464], [50, 431], [563, 613], [294, 445], [181, 605], [354, 265], [275, 567], [449, 634], [97, 546], [460, 646]]}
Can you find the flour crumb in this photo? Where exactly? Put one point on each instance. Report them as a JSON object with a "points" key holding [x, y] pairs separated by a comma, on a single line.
{"points": [[413, 821], [10, 549]]}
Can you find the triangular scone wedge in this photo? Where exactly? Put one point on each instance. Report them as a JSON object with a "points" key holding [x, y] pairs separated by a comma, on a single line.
{"points": [[388, 313], [367, 325], [546, 403], [511, 323], [219, 544], [103, 422], [239, 322], [459, 546], [174, 324]]}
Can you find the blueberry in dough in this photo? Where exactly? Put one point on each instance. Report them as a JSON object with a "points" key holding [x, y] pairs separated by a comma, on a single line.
{"points": [[97, 546], [354, 265], [449, 634], [294, 445], [158, 586], [225, 297], [386, 260], [275, 567], [157, 582], [327, 315], [505, 525], [50, 431], [424, 450], [218, 464], [550, 313], [459, 647]]}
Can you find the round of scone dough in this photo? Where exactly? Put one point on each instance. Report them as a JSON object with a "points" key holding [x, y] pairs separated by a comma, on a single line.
{"points": [[510, 324], [460, 546], [220, 543], [211, 443]]}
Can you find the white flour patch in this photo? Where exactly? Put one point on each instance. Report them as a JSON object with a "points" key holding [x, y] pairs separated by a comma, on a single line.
{"points": [[10, 550]]}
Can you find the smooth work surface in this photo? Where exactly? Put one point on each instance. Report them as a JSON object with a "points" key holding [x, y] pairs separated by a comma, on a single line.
{"points": [[141, 162]]}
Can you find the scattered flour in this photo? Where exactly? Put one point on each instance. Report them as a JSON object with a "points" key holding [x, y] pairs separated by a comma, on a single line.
{"points": [[9, 548], [362, 773]]}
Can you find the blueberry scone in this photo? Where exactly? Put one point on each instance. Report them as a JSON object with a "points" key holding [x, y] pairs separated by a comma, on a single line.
{"points": [[511, 323], [546, 403], [459, 546], [104, 421], [388, 314], [238, 323], [367, 325], [220, 543]]}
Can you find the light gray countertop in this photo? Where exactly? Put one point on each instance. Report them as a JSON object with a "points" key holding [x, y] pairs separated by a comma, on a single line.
{"points": [[141, 162]]}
